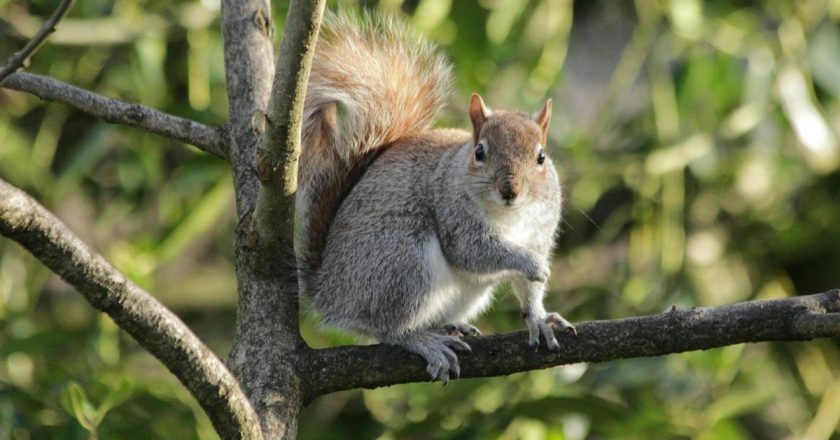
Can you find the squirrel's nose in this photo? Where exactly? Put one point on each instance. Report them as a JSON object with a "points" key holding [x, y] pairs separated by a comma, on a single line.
{"points": [[508, 191]]}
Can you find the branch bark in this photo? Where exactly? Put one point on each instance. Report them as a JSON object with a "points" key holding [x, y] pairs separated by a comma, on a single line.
{"points": [[790, 319], [120, 112], [21, 58], [249, 65], [156, 328]]}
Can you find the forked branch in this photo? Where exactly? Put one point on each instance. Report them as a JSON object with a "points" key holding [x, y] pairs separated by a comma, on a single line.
{"points": [[156, 328], [21, 58]]}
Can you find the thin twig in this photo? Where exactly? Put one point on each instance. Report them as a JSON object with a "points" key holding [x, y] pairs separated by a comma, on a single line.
{"points": [[21, 58], [156, 328], [120, 112]]}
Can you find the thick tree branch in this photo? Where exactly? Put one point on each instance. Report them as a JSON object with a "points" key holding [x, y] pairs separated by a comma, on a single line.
{"points": [[21, 58], [675, 331], [246, 31], [277, 160], [119, 112], [249, 64], [158, 330]]}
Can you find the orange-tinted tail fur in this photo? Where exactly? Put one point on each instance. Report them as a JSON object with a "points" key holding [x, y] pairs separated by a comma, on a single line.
{"points": [[372, 82]]}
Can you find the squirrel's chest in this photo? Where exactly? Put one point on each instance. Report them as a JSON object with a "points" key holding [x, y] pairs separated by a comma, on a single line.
{"points": [[528, 228]]}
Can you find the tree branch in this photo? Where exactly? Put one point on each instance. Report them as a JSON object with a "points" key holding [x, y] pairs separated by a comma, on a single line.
{"points": [[115, 111], [249, 64], [158, 330], [21, 58], [675, 331], [277, 160]]}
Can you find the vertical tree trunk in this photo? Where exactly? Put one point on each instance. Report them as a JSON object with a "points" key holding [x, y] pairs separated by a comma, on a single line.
{"points": [[264, 149]]}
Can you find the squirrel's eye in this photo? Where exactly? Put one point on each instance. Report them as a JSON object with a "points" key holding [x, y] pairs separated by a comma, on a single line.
{"points": [[479, 153], [540, 157]]}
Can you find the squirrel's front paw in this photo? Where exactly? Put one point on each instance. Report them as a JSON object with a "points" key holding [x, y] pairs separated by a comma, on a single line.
{"points": [[537, 271], [545, 325]]}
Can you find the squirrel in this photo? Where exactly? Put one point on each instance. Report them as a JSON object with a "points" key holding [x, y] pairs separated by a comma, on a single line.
{"points": [[404, 231]]}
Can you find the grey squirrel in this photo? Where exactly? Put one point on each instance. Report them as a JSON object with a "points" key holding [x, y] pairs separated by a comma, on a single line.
{"points": [[405, 231]]}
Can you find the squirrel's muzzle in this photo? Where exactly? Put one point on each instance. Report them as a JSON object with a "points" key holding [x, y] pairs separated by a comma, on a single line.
{"points": [[508, 189]]}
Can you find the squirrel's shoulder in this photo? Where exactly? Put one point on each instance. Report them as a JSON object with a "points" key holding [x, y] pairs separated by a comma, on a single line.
{"points": [[413, 157], [421, 151], [430, 141]]}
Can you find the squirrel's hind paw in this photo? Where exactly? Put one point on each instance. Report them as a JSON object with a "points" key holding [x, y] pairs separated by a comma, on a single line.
{"points": [[545, 326], [437, 350]]}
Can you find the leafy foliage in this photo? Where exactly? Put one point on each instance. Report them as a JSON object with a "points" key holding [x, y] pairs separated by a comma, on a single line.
{"points": [[698, 144]]}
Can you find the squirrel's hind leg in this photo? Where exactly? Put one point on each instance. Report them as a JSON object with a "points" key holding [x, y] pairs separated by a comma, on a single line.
{"points": [[438, 350]]}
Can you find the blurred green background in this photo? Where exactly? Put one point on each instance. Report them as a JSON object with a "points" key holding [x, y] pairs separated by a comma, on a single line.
{"points": [[697, 142]]}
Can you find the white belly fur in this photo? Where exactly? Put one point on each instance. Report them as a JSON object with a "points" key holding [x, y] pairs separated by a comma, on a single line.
{"points": [[457, 296]]}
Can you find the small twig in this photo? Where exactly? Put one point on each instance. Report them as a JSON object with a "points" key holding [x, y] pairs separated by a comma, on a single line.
{"points": [[21, 58], [115, 111], [155, 327]]}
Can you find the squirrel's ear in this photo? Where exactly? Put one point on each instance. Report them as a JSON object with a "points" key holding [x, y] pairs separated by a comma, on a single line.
{"points": [[542, 118], [478, 114]]}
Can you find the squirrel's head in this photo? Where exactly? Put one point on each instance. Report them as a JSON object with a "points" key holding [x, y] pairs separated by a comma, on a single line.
{"points": [[508, 154]]}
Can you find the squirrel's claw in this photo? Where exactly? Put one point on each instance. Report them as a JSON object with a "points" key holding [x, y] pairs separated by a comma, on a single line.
{"points": [[556, 320], [440, 364], [456, 343], [461, 330], [545, 326], [438, 351]]}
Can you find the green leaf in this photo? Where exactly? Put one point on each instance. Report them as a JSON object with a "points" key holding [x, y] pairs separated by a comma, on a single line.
{"points": [[75, 402]]}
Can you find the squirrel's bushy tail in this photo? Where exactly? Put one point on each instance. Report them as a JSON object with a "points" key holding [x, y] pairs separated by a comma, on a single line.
{"points": [[372, 82]]}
